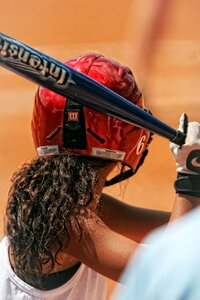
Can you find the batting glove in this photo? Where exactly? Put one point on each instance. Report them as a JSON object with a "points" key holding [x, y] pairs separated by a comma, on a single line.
{"points": [[187, 158]]}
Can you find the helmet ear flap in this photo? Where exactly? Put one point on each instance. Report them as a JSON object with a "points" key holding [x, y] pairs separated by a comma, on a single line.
{"points": [[129, 173]]}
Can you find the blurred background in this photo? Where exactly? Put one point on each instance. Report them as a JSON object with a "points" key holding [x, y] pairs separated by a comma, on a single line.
{"points": [[159, 40]]}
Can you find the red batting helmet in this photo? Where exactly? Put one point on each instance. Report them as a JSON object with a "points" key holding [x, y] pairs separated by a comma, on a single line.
{"points": [[63, 126]]}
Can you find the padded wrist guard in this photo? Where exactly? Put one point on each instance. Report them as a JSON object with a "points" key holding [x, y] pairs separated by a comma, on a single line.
{"points": [[187, 184]]}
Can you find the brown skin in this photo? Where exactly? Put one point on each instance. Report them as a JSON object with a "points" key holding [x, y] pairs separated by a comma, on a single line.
{"points": [[111, 231], [130, 221], [105, 239], [183, 204], [102, 249], [109, 237]]}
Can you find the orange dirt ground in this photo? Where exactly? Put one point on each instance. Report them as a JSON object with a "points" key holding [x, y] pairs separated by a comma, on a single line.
{"points": [[75, 27]]}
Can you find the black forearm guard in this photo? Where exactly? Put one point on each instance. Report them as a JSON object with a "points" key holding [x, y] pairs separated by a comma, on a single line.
{"points": [[187, 184]]}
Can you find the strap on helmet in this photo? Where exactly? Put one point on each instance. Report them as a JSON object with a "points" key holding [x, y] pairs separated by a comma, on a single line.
{"points": [[128, 173], [74, 133]]}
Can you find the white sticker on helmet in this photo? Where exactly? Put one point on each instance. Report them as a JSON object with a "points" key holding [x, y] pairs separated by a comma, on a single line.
{"points": [[108, 154], [47, 150]]}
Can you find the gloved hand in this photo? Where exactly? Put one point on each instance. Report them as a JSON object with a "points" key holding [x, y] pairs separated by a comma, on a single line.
{"points": [[187, 156], [187, 159]]}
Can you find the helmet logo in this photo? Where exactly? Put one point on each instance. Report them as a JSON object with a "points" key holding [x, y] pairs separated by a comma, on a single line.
{"points": [[73, 116], [141, 145]]}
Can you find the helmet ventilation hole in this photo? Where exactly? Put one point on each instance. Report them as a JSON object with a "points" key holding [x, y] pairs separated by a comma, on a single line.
{"points": [[54, 133]]}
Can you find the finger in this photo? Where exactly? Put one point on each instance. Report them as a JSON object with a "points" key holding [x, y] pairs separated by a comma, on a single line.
{"points": [[183, 125]]}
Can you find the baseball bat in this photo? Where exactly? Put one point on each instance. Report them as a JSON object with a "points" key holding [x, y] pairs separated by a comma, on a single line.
{"points": [[63, 80]]}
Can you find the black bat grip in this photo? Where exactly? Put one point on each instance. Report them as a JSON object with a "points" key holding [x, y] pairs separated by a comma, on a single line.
{"points": [[179, 138]]}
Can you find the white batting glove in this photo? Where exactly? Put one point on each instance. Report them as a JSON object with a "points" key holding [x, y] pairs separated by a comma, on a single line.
{"points": [[187, 156]]}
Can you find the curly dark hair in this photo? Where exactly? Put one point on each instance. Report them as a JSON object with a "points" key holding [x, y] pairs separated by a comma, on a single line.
{"points": [[44, 197]]}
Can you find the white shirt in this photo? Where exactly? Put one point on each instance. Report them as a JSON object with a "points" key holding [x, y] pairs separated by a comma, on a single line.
{"points": [[86, 284]]}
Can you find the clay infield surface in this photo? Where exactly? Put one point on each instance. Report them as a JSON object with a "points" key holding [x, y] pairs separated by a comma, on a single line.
{"points": [[72, 28]]}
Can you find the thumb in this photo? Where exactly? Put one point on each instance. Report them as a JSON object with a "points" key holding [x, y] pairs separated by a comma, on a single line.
{"points": [[183, 123]]}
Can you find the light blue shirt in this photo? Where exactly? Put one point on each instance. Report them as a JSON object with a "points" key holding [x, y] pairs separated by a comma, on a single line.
{"points": [[169, 269]]}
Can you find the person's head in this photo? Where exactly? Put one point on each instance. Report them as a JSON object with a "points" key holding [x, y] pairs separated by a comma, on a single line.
{"points": [[77, 148], [61, 126]]}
